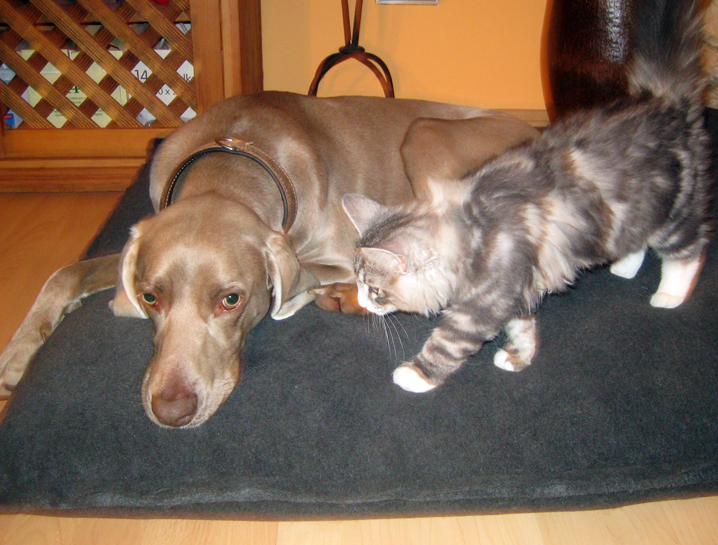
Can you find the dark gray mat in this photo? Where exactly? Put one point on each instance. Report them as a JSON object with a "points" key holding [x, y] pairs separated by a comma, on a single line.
{"points": [[620, 406]]}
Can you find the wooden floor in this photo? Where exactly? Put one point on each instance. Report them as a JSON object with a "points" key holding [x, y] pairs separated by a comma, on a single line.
{"points": [[40, 232]]}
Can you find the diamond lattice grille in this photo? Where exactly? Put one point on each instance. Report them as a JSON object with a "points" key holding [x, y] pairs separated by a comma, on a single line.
{"points": [[90, 63]]}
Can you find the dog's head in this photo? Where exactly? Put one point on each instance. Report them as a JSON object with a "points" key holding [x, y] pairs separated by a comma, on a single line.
{"points": [[205, 271]]}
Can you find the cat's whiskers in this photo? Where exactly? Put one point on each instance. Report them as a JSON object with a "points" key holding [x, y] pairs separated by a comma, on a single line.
{"points": [[398, 321], [389, 341], [387, 324], [423, 320], [392, 323], [381, 321]]}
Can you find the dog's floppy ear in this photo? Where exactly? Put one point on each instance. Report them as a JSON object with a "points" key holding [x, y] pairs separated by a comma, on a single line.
{"points": [[288, 280], [125, 302]]}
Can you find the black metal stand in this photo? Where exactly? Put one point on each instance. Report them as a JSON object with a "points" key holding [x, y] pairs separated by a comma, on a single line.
{"points": [[352, 50]]}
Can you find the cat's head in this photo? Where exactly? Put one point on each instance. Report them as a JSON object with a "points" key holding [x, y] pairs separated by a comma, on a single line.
{"points": [[400, 260]]}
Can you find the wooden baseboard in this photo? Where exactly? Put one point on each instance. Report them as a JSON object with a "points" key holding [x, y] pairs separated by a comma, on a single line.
{"points": [[535, 118], [40, 175], [35, 160]]}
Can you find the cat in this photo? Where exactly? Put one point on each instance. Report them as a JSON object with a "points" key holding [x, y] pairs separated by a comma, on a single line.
{"points": [[599, 187]]}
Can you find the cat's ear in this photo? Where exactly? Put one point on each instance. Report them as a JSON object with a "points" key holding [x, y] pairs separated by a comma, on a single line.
{"points": [[362, 211], [385, 260]]}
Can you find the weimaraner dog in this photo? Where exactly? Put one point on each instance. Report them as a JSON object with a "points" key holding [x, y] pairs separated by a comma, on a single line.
{"points": [[249, 222]]}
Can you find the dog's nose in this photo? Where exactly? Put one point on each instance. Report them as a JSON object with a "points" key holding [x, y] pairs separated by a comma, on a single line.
{"points": [[175, 405]]}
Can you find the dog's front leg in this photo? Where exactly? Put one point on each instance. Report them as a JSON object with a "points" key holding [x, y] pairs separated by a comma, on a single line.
{"points": [[338, 297], [60, 295]]}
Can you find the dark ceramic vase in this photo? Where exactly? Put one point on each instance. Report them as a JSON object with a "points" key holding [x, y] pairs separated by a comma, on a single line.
{"points": [[586, 46]]}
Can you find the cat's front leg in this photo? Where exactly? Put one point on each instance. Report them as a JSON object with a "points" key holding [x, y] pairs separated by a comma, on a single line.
{"points": [[453, 341], [522, 344]]}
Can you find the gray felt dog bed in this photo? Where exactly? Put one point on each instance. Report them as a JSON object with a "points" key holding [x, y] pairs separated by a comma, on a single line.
{"points": [[621, 405]]}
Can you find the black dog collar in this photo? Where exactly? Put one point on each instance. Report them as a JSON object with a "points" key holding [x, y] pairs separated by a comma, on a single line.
{"points": [[245, 149]]}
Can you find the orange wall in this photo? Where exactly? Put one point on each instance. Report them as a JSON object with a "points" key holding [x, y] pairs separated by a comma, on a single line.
{"points": [[474, 52]]}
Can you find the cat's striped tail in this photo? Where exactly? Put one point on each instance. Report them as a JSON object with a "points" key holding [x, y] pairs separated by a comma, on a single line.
{"points": [[668, 38]]}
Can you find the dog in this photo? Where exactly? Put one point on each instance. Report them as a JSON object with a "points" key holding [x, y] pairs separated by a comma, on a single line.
{"points": [[249, 222]]}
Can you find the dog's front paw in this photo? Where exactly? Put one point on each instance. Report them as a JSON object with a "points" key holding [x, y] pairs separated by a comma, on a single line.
{"points": [[411, 379], [15, 359], [338, 297], [32, 333]]}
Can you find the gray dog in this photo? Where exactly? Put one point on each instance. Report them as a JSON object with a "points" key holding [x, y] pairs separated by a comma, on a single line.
{"points": [[249, 222]]}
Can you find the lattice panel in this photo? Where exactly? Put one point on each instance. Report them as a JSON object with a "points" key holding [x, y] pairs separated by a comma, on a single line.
{"points": [[95, 63]]}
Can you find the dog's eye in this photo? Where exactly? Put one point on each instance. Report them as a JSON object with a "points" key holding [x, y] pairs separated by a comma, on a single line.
{"points": [[231, 301], [149, 298]]}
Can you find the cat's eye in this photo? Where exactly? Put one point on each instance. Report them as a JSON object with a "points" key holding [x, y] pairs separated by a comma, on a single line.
{"points": [[373, 290], [149, 298], [231, 301]]}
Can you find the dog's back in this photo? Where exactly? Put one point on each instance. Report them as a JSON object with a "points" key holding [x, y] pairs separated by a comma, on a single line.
{"points": [[314, 138]]}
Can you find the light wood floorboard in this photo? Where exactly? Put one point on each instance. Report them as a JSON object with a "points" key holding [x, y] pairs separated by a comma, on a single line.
{"points": [[41, 232]]}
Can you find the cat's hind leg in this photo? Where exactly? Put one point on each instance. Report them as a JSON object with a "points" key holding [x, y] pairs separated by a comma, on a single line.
{"points": [[681, 244], [678, 276], [522, 344], [628, 266]]}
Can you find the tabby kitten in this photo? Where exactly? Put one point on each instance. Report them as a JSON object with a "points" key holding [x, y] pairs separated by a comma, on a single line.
{"points": [[600, 187]]}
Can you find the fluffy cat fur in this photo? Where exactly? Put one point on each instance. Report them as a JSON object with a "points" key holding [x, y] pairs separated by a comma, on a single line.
{"points": [[600, 187]]}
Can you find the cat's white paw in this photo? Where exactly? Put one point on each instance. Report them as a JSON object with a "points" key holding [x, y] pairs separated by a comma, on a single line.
{"points": [[628, 266], [408, 379], [677, 279], [502, 360], [666, 300], [509, 360]]}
